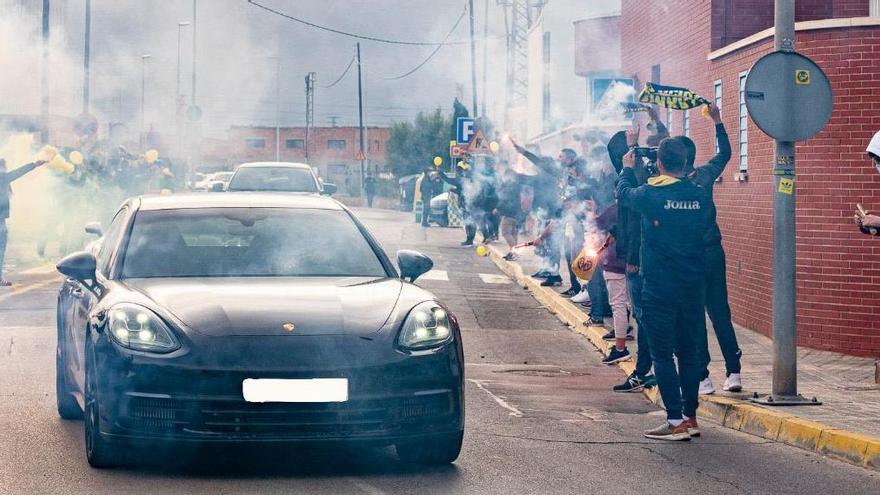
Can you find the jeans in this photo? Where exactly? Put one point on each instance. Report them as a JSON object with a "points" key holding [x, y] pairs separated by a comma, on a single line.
{"points": [[4, 235], [672, 317], [719, 312], [426, 211], [599, 308], [369, 200], [643, 356]]}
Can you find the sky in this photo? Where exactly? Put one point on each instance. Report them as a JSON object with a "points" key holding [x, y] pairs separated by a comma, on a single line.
{"points": [[236, 43]]}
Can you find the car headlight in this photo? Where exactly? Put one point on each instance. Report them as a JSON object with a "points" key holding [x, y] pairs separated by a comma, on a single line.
{"points": [[136, 327], [426, 326]]}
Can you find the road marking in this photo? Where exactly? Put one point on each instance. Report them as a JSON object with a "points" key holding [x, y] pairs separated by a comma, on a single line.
{"points": [[364, 486], [40, 270], [27, 288], [441, 275], [501, 402], [491, 278]]}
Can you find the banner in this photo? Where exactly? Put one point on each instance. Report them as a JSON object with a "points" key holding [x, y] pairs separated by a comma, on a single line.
{"points": [[671, 97]]}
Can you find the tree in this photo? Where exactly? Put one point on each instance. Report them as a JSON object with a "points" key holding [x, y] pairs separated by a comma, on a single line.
{"points": [[412, 146]]}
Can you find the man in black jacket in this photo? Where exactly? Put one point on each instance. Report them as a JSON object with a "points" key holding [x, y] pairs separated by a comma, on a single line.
{"points": [[674, 221], [716, 267], [6, 179]]}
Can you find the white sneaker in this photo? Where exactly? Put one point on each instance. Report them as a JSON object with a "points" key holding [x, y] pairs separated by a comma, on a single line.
{"points": [[733, 383], [581, 297], [706, 387]]}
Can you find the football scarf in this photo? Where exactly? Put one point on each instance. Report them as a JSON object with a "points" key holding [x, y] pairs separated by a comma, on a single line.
{"points": [[671, 97]]}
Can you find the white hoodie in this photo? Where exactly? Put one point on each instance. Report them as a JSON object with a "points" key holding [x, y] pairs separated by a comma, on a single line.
{"points": [[874, 145]]}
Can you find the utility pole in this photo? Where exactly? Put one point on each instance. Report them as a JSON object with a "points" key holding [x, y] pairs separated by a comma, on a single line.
{"points": [[784, 251], [277, 107], [361, 155], [194, 24], [485, 53], [310, 109], [178, 99], [475, 108], [44, 78], [144, 58], [86, 54]]}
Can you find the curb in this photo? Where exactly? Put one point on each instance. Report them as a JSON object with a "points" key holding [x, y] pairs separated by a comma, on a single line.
{"points": [[854, 448]]}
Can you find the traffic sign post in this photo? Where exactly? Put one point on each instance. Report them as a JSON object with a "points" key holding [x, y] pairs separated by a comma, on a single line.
{"points": [[789, 98]]}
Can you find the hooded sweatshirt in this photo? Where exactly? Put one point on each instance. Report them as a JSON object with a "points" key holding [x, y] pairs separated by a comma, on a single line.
{"points": [[874, 145]]}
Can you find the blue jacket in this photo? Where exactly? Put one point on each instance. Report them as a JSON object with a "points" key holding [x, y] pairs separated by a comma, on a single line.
{"points": [[675, 216]]}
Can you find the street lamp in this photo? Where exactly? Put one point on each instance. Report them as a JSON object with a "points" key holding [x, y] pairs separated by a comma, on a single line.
{"points": [[178, 99], [277, 107], [144, 58]]}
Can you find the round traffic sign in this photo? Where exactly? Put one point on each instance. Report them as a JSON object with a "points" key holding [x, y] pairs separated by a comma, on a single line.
{"points": [[194, 113], [788, 96]]}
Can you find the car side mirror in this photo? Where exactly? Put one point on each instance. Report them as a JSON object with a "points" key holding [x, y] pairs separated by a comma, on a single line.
{"points": [[217, 187], [94, 228], [413, 264], [329, 189], [78, 266]]}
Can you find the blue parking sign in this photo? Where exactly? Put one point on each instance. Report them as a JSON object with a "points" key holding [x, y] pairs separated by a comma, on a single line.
{"points": [[464, 130]]}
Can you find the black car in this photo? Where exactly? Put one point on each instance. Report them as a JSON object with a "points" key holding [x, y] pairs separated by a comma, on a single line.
{"points": [[254, 318]]}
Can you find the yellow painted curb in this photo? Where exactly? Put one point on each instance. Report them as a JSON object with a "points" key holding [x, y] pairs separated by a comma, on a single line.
{"points": [[854, 448]]}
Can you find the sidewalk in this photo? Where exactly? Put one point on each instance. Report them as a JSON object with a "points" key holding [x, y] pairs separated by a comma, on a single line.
{"points": [[845, 384]]}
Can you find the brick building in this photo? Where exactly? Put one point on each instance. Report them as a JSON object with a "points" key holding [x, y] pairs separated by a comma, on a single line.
{"points": [[332, 149], [709, 46]]}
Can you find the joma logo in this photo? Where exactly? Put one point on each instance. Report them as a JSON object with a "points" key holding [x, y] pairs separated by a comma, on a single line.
{"points": [[682, 205]]}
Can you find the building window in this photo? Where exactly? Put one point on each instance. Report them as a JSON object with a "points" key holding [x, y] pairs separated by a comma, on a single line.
{"points": [[295, 144], [874, 8], [336, 144], [255, 143], [719, 90], [655, 73], [743, 125], [686, 123]]}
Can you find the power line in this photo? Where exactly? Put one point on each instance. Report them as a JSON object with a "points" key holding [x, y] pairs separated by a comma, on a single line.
{"points": [[434, 52], [334, 83], [353, 35]]}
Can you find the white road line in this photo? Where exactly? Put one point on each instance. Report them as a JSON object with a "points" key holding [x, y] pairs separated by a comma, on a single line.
{"points": [[364, 486], [492, 278], [441, 275], [40, 270], [501, 402]]}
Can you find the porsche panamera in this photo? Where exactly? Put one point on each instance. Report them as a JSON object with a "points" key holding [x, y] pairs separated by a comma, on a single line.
{"points": [[251, 317]]}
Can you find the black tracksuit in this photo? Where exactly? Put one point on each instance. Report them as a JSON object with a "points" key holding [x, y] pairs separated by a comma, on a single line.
{"points": [[716, 267], [674, 222]]}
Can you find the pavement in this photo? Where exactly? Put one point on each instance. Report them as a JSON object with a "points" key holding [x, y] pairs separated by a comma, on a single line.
{"points": [[844, 426], [540, 414]]}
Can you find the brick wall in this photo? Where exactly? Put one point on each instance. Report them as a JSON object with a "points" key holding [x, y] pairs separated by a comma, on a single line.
{"points": [[838, 268]]}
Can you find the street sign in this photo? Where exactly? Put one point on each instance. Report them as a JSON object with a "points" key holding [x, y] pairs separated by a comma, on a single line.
{"points": [[360, 155], [464, 129], [788, 96], [479, 145]]}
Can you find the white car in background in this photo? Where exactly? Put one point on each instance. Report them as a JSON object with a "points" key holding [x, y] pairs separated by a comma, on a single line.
{"points": [[278, 177], [214, 182]]}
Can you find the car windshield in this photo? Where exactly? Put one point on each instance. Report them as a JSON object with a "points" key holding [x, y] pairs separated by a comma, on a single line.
{"points": [[248, 242], [286, 179]]}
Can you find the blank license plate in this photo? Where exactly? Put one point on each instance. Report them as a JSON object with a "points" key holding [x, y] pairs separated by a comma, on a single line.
{"points": [[286, 390]]}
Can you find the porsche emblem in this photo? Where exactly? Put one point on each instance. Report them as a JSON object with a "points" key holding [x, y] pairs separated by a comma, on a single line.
{"points": [[288, 327]]}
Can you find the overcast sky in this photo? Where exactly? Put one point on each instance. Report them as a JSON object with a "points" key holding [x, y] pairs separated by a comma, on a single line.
{"points": [[237, 77]]}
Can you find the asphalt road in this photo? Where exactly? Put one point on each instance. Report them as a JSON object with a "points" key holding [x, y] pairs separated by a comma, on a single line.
{"points": [[540, 415]]}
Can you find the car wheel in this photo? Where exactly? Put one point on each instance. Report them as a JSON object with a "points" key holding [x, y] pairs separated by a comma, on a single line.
{"points": [[99, 451], [68, 408], [441, 449]]}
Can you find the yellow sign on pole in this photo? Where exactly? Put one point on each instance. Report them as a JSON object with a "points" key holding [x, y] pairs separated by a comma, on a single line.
{"points": [[360, 155]]}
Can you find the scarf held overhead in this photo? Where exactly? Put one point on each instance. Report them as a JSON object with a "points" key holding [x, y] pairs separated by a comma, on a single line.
{"points": [[671, 97]]}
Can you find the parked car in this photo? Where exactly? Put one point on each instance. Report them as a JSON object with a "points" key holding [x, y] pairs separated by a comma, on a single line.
{"points": [[217, 181], [278, 177], [407, 191]]}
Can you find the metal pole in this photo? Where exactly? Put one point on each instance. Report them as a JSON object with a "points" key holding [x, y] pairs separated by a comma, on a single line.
{"points": [[361, 117], [194, 24], [278, 109], [784, 250], [143, 96], [485, 54], [473, 58], [178, 103], [44, 78], [86, 54]]}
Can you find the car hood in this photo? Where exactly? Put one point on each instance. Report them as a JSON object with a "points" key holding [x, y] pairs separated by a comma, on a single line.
{"points": [[263, 306]]}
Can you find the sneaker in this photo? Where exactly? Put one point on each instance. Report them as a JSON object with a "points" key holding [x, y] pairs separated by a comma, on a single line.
{"points": [[609, 337], [511, 256], [692, 426], [581, 297], [650, 381], [593, 322], [706, 387], [5, 283], [467, 243], [571, 292], [629, 334], [541, 274], [670, 433], [617, 356], [552, 281], [733, 383], [633, 383]]}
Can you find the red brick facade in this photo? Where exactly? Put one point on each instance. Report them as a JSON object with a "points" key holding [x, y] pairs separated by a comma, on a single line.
{"points": [[838, 268]]}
